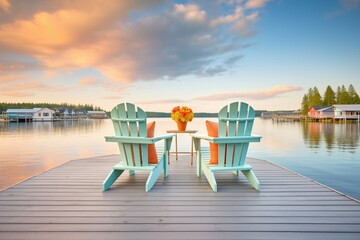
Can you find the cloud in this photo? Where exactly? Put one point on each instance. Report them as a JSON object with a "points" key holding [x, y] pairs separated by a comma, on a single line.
{"points": [[166, 101], [254, 95], [239, 21], [116, 97], [11, 78], [250, 95], [345, 7], [190, 12], [128, 41], [31, 88], [51, 32], [7, 66], [256, 3], [350, 4], [5, 5]]}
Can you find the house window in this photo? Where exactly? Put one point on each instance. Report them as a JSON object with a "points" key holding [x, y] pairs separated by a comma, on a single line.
{"points": [[39, 114], [45, 114]]}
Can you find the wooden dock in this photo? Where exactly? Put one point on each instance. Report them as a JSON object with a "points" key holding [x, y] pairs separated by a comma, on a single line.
{"points": [[67, 202]]}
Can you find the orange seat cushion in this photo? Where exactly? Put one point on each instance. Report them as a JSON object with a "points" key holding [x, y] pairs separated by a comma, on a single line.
{"points": [[213, 131], [153, 159]]}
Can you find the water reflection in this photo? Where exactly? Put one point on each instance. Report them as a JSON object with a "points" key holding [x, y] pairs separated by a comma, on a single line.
{"points": [[344, 137], [57, 127], [27, 149]]}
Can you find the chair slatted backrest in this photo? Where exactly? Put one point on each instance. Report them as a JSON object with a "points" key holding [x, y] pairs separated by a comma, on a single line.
{"points": [[235, 119], [130, 121]]}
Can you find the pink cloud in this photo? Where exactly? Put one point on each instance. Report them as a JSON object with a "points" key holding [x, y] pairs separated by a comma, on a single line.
{"points": [[254, 95], [165, 101], [20, 89], [73, 35], [256, 3], [10, 78], [17, 94], [117, 97], [5, 5]]}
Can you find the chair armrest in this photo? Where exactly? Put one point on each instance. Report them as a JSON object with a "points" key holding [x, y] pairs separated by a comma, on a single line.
{"points": [[204, 137], [239, 139], [162, 137], [137, 140]]}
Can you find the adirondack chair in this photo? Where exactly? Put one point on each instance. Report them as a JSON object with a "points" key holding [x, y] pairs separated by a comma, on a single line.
{"points": [[235, 122], [130, 126]]}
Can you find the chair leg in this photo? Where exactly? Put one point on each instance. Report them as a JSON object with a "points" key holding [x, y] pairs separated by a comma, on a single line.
{"points": [[166, 168], [111, 178], [131, 172], [154, 175], [236, 173], [199, 162], [210, 177], [250, 175]]}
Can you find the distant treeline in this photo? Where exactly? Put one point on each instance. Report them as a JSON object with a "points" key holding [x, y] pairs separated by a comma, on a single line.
{"points": [[341, 96], [88, 107], [196, 115]]}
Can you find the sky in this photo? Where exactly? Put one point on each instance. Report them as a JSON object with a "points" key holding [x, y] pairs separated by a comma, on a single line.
{"points": [[160, 54]]}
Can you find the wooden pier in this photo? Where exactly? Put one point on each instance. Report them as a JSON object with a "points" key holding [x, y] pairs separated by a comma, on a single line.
{"points": [[67, 202]]}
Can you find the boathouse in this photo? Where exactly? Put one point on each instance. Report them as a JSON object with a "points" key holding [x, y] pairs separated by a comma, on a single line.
{"points": [[27, 115], [321, 112], [20, 114], [347, 111], [43, 114]]}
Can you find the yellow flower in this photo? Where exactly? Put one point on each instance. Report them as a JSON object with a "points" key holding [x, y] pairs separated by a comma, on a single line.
{"points": [[183, 114]]}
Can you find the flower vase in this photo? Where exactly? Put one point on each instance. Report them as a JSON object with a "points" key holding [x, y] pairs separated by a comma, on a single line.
{"points": [[181, 125]]}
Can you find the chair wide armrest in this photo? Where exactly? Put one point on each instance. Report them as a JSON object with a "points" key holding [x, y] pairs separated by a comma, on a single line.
{"points": [[162, 137], [239, 139], [137, 140], [204, 137]]}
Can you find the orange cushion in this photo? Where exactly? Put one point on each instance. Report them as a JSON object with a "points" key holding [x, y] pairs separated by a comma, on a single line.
{"points": [[213, 131], [153, 159]]}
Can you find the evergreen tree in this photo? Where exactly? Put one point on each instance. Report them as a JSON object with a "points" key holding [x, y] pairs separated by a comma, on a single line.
{"points": [[353, 96], [337, 96], [315, 98], [5, 106], [305, 105], [329, 97], [342, 95]]}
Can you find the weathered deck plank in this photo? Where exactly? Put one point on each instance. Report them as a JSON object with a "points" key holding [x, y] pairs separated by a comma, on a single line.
{"points": [[68, 203]]}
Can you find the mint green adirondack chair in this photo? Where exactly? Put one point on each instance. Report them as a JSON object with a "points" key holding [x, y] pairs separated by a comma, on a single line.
{"points": [[235, 122], [131, 135]]}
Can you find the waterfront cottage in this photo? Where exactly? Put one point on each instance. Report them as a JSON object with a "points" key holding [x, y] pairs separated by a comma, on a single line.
{"points": [[69, 113], [43, 114], [347, 111], [35, 114], [321, 112]]}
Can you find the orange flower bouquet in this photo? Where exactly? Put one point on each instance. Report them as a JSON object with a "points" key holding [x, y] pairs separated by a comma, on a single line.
{"points": [[182, 115]]}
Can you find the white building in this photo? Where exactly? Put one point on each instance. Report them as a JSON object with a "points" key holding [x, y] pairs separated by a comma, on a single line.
{"points": [[35, 114], [43, 114], [69, 113], [347, 111]]}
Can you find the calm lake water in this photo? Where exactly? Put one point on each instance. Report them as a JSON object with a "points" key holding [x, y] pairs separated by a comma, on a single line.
{"points": [[326, 152]]}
